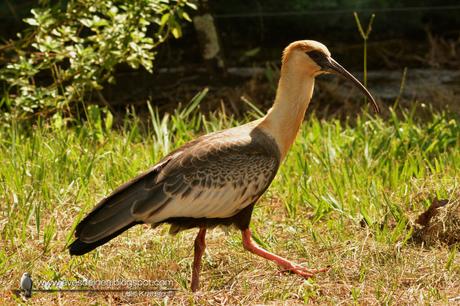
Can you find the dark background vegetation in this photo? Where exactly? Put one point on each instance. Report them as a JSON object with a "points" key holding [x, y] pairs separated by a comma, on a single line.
{"points": [[413, 34]]}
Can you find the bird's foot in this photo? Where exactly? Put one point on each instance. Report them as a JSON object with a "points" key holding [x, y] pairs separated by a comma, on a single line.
{"points": [[195, 285], [302, 271]]}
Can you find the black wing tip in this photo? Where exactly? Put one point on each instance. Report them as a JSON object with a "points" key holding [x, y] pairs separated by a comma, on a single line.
{"points": [[79, 247]]}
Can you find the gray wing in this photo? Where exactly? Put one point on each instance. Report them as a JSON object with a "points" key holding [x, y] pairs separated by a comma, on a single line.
{"points": [[212, 179], [214, 176]]}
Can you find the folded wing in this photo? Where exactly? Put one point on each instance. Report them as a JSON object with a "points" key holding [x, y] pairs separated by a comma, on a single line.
{"points": [[212, 177]]}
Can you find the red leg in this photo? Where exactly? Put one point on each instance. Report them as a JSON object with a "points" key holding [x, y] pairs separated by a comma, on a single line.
{"points": [[283, 263], [200, 245]]}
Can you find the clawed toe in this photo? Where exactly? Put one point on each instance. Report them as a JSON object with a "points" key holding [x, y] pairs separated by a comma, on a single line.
{"points": [[304, 272], [285, 264]]}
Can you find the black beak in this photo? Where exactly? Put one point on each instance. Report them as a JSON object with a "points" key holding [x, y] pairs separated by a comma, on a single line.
{"points": [[328, 63], [333, 65]]}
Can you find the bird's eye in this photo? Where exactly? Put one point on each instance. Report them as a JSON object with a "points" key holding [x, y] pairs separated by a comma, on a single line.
{"points": [[318, 57]]}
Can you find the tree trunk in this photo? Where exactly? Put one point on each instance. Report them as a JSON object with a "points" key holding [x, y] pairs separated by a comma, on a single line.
{"points": [[208, 39]]}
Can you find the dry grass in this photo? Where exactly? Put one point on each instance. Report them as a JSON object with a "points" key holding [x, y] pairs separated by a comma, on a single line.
{"points": [[363, 271]]}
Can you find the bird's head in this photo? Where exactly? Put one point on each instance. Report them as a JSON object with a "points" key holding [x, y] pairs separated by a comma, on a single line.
{"points": [[312, 58]]}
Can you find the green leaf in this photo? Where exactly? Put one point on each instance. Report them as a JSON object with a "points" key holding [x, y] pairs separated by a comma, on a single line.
{"points": [[31, 21], [191, 5], [176, 32], [164, 19], [108, 120], [186, 16]]}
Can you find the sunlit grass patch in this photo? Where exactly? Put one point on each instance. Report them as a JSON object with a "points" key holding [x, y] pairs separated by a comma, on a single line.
{"points": [[345, 197]]}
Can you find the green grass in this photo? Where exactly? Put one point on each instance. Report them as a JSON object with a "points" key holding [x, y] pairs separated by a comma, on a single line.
{"points": [[344, 197]]}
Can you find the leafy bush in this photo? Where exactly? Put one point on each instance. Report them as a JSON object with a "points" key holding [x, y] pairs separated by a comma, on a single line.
{"points": [[74, 50]]}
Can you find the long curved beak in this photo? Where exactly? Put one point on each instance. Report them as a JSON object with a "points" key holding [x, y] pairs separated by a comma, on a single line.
{"points": [[336, 67]]}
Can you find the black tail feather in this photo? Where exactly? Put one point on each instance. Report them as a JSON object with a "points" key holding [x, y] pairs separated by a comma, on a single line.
{"points": [[79, 247]]}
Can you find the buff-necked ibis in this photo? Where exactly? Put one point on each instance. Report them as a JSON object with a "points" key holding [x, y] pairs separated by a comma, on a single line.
{"points": [[216, 179]]}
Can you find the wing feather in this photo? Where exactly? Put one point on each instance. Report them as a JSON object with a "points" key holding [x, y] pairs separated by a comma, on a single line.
{"points": [[213, 179], [214, 176]]}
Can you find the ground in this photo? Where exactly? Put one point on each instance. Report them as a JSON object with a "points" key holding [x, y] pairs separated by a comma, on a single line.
{"points": [[347, 197]]}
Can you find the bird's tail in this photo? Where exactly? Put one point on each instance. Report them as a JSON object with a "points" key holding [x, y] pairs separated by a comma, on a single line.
{"points": [[79, 247], [113, 215]]}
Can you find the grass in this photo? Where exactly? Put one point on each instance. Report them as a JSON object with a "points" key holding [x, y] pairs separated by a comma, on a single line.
{"points": [[344, 197]]}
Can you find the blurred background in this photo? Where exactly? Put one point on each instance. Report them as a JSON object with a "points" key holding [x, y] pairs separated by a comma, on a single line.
{"points": [[234, 49]]}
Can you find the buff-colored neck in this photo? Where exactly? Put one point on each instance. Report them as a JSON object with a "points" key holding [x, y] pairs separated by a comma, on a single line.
{"points": [[283, 120]]}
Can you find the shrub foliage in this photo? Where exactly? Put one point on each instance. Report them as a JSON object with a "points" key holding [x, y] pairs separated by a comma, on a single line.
{"points": [[72, 51]]}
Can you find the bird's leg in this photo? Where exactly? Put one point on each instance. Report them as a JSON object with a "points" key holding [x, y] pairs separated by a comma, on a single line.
{"points": [[200, 245], [282, 262]]}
